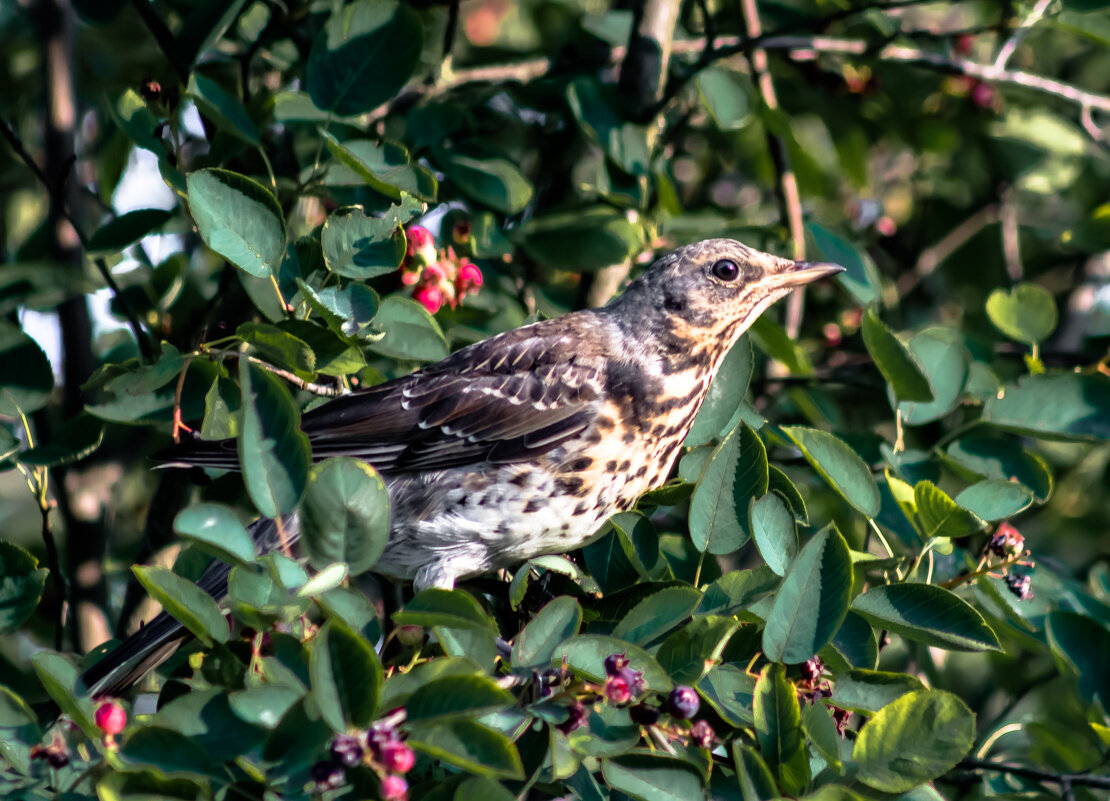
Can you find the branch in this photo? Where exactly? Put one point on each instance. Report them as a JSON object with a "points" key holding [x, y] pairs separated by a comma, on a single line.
{"points": [[1022, 31], [1064, 780], [145, 346], [790, 202], [931, 258]]}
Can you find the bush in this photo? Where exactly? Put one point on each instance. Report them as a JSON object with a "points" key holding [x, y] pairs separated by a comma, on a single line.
{"points": [[879, 567]]}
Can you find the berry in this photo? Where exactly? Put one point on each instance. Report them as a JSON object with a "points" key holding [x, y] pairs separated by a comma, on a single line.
{"points": [[56, 752], [394, 788], [840, 718], [110, 717], [812, 669], [615, 663], [683, 702], [379, 736], [460, 232], [1007, 542], [634, 679], [617, 690], [983, 95], [430, 297], [1020, 585], [410, 635], [346, 750], [420, 246], [702, 734], [576, 718], [397, 757], [327, 776], [644, 715], [468, 279]]}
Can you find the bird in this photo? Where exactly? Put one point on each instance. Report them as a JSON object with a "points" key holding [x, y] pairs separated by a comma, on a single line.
{"points": [[522, 444]]}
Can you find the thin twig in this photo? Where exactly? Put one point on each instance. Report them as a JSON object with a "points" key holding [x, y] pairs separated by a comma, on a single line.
{"points": [[1022, 31], [1011, 235], [1061, 779], [297, 381], [56, 197], [932, 257], [790, 202]]}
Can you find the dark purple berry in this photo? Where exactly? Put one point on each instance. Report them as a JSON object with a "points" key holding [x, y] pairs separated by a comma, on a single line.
{"points": [[702, 734], [1007, 542], [1020, 585], [614, 663], [644, 715], [634, 679], [683, 702], [327, 775], [576, 718], [346, 750], [840, 718], [812, 669]]}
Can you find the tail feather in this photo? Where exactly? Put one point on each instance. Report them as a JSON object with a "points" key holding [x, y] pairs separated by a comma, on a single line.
{"points": [[156, 641]]}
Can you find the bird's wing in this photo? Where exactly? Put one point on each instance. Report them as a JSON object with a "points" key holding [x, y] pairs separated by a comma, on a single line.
{"points": [[506, 399]]}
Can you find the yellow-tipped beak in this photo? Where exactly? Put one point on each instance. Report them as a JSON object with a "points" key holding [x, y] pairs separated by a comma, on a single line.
{"points": [[806, 272]]}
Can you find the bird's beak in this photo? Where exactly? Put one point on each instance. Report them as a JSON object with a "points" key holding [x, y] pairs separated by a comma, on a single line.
{"points": [[799, 273]]}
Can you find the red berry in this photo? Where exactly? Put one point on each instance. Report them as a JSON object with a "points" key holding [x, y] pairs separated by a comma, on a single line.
{"points": [[420, 246], [110, 717], [617, 690], [430, 297], [1007, 542], [397, 757], [394, 788], [468, 279]]}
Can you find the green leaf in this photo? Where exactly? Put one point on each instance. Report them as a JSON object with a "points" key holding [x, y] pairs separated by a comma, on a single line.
{"points": [[839, 465], [772, 339], [1070, 406], [929, 614], [385, 166], [653, 777], [468, 745], [26, 379], [735, 473], [58, 677], [869, 691], [603, 236], [347, 310], [21, 585], [364, 55], [779, 482], [812, 601], [264, 705], [778, 728], [898, 366], [690, 651], [945, 363], [657, 614], [217, 530], [940, 516], [726, 393], [495, 183], [346, 677], [1082, 648], [735, 590], [183, 599], [774, 532], [820, 730], [1002, 460], [19, 729], [1027, 313], [453, 696], [724, 98], [239, 219], [410, 332], [278, 347], [360, 247], [914, 740], [223, 108], [995, 500], [273, 451], [729, 690], [75, 439], [855, 642], [586, 653], [127, 229], [345, 514], [449, 608], [753, 775], [168, 751], [556, 622], [334, 353], [860, 277]]}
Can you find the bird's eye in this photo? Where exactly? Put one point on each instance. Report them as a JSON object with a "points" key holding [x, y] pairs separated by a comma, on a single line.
{"points": [[725, 270]]}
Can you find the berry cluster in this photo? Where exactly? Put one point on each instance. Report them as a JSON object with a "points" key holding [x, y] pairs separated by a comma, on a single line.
{"points": [[436, 276], [1007, 544], [380, 747], [813, 686]]}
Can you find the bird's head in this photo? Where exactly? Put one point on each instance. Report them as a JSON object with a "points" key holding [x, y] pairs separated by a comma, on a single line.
{"points": [[707, 294]]}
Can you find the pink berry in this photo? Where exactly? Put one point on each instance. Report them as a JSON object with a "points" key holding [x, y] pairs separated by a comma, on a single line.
{"points": [[617, 690], [420, 246], [110, 717], [469, 278], [430, 297], [397, 757], [394, 788]]}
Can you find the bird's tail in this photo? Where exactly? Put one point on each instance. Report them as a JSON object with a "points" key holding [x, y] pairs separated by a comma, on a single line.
{"points": [[156, 641]]}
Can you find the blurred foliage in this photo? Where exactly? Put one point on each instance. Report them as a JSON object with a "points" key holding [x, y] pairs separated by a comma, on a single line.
{"points": [[882, 560]]}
